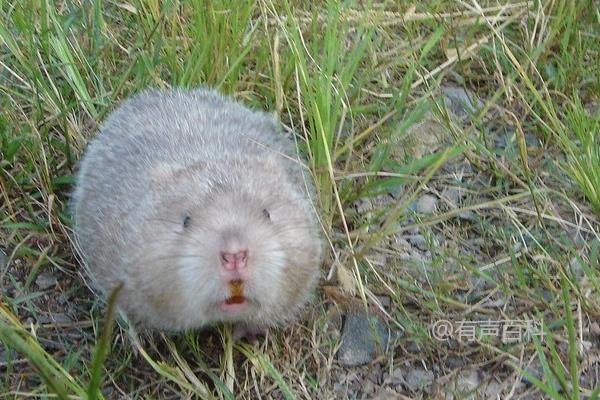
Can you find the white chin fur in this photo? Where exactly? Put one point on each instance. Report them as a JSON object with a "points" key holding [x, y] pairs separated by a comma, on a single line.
{"points": [[204, 290]]}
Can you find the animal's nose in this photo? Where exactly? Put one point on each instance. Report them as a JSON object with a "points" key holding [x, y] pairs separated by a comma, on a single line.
{"points": [[234, 260]]}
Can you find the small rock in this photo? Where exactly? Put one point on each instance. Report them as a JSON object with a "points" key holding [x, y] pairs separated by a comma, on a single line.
{"points": [[401, 242], [547, 295], [368, 388], [586, 345], [422, 258], [339, 388], [467, 216], [458, 167], [360, 344], [6, 354], [398, 377], [467, 381], [418, 379], [426, 204], [479, 284], [453, 196], [577, 268], [493, 390], [422, 138], [412, 208], [412, 347], [455, 362], [507, 140], [461, 102], [54, 318], [386, 394], [45, 280], [386, 301], [418, 241]]}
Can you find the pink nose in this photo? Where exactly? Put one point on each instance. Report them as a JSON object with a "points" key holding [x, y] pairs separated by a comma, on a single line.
{"points": [[232, 261]]}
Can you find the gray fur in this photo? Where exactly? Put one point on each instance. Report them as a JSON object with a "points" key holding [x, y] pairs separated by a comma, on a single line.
{"points": [[164, 155]]}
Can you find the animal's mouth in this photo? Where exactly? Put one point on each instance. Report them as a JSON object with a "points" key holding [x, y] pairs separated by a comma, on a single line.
{"points": [[236, 302]]}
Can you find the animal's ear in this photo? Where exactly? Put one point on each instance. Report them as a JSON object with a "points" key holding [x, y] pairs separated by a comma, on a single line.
{"points": [[165, 172]]}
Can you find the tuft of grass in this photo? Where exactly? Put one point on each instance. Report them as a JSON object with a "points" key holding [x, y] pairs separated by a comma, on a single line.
{"points": [[56, 378], [581, 144], [328, 85]]}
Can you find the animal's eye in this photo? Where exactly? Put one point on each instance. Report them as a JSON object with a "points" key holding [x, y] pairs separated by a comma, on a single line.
{"points": [[266, 214], [187, 220]]}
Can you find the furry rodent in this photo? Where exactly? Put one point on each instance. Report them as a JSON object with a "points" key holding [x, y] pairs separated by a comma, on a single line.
{"points": [[201, 209]]}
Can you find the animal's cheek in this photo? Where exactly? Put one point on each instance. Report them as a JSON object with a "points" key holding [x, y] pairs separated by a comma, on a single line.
{"points": [[268, 276]]}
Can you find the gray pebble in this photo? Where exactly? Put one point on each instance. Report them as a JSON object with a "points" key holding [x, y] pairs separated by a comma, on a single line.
{"points": [[453, 196], [398, 377], [467, 216], [45, 280], [418, 379], [467, 381], [577, 267], [386, 301], [6, 354], [386, 394], [461, 102], [455, 362], [418, 241], [493, 390], [412, 347], [54, 318], [360, 344], [426, 204]]}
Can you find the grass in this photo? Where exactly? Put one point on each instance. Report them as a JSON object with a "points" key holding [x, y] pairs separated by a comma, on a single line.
{"points": [[516, 175]]}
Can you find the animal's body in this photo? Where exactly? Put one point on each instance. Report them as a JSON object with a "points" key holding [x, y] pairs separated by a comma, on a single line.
{"points": [[200, 208]]}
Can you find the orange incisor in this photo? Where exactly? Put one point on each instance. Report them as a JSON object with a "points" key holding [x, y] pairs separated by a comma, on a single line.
{"points": [[236, 289]]}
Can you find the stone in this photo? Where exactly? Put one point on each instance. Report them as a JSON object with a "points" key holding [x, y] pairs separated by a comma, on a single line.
{"points": [[455, 362], [45, 280], [418, 379], [398, 377], [54, 318], [577, 268], [461, 102], [467, 381], [6, 354], [427, 204], [453, 196], [386, 394], [413, 347], [385, 301], [467, 216], [493, 390], [368, 388], [418, 241], [361, 341]]}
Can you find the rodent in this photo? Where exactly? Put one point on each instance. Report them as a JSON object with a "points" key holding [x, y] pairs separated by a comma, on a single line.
{"points": [[199, 207]]}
